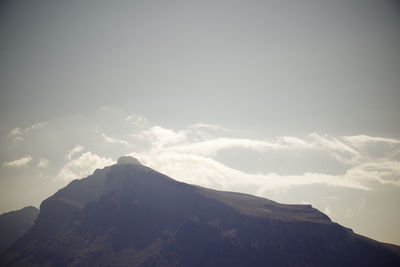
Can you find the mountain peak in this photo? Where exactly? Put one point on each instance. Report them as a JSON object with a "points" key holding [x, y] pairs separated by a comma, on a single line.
{"points": [[128, 160], [135, 216]]}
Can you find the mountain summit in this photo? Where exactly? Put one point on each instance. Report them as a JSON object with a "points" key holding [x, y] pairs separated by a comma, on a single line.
{"points": [[128, 160], [130, 215]]}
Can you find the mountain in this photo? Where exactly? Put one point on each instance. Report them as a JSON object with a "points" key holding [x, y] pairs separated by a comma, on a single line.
{"points": [[14, 224], [130, 215]]}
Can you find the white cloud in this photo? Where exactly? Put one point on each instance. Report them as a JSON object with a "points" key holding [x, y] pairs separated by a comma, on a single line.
{"points": [[35, 126], [18, 139], [76, 149], [339, 150], [111, 140], [184, 157], [43, 163], [208, 172], [136, 120], [193, 155], [381, 172], [83, 166], [161, 137], [333, 144], [201, 125], [19, 162], [211, 147], [294, 143], [362, 139], [17, 132]]}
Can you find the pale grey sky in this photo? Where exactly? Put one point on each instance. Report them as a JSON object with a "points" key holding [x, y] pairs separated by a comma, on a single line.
{"points": [[296, 101]]}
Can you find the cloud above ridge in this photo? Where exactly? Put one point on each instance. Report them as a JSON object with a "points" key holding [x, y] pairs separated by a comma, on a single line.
{"points": [[83, 166], [195, 159], [214, 156]]}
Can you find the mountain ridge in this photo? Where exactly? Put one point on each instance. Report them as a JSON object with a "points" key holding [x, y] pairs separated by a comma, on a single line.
{"points": [[130, 215]]}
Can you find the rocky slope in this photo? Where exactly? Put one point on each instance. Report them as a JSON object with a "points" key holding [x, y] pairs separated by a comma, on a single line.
{"points": [[15, 224], [130, 215]]}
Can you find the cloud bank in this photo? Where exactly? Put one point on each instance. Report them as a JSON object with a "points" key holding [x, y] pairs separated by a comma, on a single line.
{"points": [[191, 156], [214, 156]]}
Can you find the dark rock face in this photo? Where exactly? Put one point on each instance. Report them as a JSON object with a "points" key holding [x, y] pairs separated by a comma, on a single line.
{"points": [[130, 215], [15, 224]]}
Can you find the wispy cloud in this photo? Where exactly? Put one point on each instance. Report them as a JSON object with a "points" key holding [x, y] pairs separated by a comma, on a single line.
{"points": [[181, 155], [111, 140], [36, 126], [15, 132], [43, 163], [136, 120], [162, 137], [363, 139], [19, 162], [76, 149], [211, 147], [208, 172], [18, 133], [211, 155], [201, 125]]}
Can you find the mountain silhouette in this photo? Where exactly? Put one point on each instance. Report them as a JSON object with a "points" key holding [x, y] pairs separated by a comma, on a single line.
{"points": [[14, 224], [130, 215]]}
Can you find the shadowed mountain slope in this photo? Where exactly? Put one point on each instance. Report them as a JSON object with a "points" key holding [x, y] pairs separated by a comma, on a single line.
{"points": [[130, 215], [14, 224]]}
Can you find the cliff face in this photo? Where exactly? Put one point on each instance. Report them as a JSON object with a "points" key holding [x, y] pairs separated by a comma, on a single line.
{"points": [[130, 215], [15, 224]]}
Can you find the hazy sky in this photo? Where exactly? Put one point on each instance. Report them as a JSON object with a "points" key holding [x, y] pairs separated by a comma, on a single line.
{"points": [[296, 101]]}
